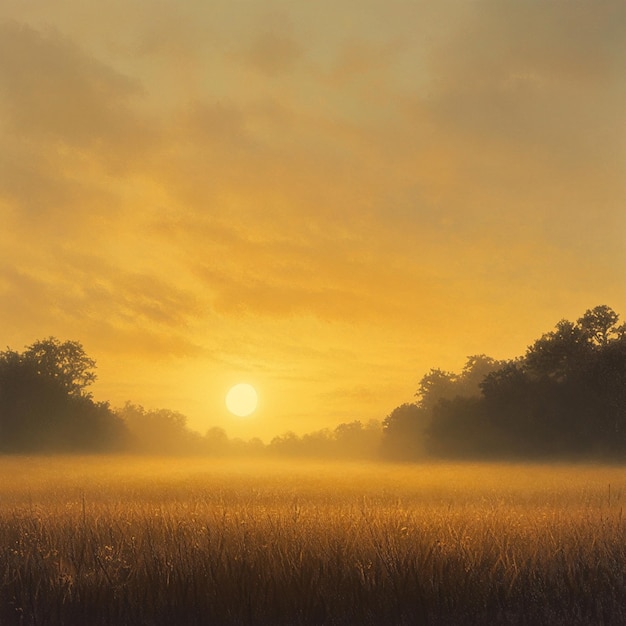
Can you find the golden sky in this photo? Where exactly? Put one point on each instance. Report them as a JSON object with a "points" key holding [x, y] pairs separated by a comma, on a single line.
{"points": [[324, 199]]}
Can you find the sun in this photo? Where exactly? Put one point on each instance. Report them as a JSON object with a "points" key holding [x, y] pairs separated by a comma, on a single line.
{"points": [[241, 400]]}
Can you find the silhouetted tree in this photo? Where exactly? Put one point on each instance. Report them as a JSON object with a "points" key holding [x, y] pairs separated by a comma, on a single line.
{"points": [[44, 405], [403, 432], [439, 385], [350, 440], [459, 428], [288, 444], [216, 442], [408, 428], [565, 397], [600, 325], [64, 362], [606, 384], [434, 386], [159, 431], [558, 353], [357, 440]]}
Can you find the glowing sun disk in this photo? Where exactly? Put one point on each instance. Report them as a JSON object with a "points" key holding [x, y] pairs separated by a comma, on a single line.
{"points": [[241, 400]]}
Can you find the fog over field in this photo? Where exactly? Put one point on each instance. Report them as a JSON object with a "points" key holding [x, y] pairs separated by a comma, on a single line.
{"points": [[119, 540]]}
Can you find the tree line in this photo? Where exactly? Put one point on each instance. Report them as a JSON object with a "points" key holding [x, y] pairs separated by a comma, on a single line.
{"points": [[46, 407], [565, 397]]}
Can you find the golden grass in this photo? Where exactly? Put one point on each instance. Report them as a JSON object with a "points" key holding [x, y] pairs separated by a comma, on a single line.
{"points": [[119, 541]]}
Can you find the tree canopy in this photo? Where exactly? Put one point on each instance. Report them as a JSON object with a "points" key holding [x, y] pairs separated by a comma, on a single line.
{"points": [[44, 402], [566, 396]]}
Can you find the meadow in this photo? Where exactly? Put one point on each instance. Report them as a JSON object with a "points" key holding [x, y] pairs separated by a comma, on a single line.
{"points": [[157, 541]]}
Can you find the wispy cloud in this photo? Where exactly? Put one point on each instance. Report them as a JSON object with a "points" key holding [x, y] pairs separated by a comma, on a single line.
{"points": [[211, 181]]}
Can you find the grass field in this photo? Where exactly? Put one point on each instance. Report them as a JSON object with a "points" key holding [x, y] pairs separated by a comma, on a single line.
{"points": [[159, 541]]}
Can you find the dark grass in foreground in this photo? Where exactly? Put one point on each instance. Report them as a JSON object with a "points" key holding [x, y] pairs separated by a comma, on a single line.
{"points": [[121, 541]]}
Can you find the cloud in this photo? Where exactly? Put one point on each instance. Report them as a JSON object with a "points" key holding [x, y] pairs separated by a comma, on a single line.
{"points": [[54, 90], [546, 77], [82, 294], [71, 136], [334, 275], [273, 53], [244, 185], [358, 58]]}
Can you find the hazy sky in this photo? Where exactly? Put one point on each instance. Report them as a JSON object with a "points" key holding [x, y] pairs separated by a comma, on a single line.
{"points": [[324, 199]]}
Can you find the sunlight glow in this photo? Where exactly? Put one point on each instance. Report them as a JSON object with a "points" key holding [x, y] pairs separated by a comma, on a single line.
{"points": [[242, 399]]}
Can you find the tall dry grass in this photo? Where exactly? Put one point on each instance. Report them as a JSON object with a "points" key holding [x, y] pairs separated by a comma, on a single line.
{"points": [[155, 541]]}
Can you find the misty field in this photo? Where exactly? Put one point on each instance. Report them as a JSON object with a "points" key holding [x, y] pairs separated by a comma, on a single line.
{"points": [[160, 541]]}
